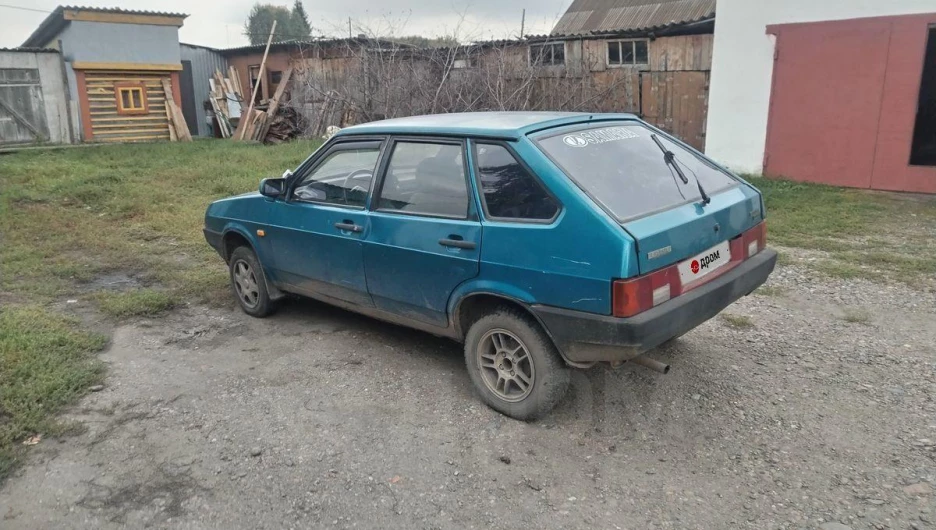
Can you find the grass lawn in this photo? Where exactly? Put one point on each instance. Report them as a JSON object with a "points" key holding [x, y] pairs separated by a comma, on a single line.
{"points": [[71, 219], [45, 363], [853, 233]]}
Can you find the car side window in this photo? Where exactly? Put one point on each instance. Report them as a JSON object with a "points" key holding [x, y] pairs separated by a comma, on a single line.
{"points": [[343, 178], [508, 189], [426, 178]]}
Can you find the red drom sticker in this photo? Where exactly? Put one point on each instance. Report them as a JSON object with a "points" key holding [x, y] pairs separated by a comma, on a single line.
{"points": [[694, 266]]}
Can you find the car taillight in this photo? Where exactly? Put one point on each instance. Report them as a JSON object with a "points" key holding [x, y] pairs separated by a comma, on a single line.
{"points": [[636, 295], [630, 297], [755, 239]]}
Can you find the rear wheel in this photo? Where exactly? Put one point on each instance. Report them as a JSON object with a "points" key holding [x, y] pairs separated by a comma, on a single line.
{"points": [[249, 283], [514, 366]]}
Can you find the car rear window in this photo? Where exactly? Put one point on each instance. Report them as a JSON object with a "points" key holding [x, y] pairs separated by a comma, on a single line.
{"points": [[624, 170]]}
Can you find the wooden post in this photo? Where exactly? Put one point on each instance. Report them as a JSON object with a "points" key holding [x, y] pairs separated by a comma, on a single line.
{"points": [[239, 134]]}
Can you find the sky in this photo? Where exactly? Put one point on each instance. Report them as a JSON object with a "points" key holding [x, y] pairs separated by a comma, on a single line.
{"points": [[219, 23]]}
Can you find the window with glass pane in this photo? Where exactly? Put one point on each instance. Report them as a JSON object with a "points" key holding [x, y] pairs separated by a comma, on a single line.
{"points": [[426, 178], [131, 98], [628, 53], [641, 55], [614, 53], [551, 54], [558, 51], [343, 178], [508, 189]]}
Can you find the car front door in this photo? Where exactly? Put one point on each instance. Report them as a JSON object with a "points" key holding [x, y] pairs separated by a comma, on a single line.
{"points": [[318, 230], [425, 234]]}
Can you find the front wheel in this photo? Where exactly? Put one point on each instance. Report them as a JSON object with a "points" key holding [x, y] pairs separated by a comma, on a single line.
{"points": [[514, 366], [249, 283]]}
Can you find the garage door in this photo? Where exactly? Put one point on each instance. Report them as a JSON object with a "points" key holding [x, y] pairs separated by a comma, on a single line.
{"points": [[826, 102]]}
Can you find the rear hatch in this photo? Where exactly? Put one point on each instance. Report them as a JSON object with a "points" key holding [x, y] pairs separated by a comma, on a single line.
{"points": [[623, 169]]}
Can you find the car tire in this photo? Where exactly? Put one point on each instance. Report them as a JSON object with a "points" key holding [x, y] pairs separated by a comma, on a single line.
{"points": [[249, 283], [492, 356]]}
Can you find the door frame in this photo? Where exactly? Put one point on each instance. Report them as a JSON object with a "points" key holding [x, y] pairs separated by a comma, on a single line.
{"points": [[384, 163]]}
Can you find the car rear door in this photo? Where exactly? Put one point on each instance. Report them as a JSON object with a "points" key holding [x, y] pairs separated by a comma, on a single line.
{"points": [[317, 233], [425, 235]]}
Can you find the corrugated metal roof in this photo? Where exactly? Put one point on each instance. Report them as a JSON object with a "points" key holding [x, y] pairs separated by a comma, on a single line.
{"points": [[280, 45], [610, 16], [30, 50], [55, 22]]}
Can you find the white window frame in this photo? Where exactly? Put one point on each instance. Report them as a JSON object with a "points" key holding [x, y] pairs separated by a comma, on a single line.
{"points": [[544, 45], [620, 43]]}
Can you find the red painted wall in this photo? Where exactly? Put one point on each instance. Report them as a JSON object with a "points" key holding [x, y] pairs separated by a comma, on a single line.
{"points": [[844, 100]]}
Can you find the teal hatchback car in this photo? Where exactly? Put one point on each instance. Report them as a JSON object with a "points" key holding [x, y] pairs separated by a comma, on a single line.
{"points": [[542, 241]]}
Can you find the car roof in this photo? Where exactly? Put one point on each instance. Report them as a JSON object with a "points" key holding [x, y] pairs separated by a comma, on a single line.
{"points": [[509, 125]]}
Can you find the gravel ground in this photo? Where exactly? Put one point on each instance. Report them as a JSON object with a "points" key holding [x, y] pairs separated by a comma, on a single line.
{"points": [[820, 415]]}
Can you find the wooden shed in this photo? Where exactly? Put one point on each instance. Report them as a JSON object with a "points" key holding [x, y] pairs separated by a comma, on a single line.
{"points": [[120, 65]]}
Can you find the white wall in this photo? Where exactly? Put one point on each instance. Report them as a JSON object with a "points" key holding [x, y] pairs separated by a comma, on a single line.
{"points": [[742, 67]]}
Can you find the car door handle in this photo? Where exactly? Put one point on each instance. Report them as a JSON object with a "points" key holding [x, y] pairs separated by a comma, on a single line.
{"points": [[458, 243], [349, 226]]}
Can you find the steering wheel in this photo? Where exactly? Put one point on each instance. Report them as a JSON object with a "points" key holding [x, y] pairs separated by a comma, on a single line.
{"points": [[354, 174]]}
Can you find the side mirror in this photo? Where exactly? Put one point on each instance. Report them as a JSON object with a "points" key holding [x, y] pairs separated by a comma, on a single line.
{"points": [[273, 188]]}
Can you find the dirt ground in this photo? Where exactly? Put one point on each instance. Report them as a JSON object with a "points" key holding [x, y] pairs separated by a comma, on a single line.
{"points": [[817, 411]]}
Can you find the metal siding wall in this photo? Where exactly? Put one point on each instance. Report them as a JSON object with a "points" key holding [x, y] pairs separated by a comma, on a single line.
{"points": [[204, 63]]}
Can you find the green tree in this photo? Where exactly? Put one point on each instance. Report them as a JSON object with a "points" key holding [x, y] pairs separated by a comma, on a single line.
{"points": [[299, 27], [261, 18]]}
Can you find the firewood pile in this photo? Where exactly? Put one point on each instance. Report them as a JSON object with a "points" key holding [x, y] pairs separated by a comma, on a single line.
{"points": [[285, 126]]}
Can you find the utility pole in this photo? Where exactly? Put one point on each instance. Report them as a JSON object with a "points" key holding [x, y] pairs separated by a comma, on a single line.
{"points": [[350, 36], [522, 23]]}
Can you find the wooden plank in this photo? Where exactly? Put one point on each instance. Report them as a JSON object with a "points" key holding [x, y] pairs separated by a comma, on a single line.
{"points": [[234, 76], [154, 121], [87, 65], [175, 115], [253, 93], [23, 121], [274, 104], [99, 134], [121, 119], [123, 18], [135, 138], [106, 83]]}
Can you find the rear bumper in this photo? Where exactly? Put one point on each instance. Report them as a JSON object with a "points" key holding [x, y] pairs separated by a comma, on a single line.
{"points": [[587, 338]]}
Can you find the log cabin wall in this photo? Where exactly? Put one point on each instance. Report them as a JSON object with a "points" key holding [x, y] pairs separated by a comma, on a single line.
{"points": [[110, 120]]}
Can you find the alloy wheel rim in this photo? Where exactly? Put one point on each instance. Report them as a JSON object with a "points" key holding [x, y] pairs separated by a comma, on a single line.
{"points": [[245, 283], [506, 365]]}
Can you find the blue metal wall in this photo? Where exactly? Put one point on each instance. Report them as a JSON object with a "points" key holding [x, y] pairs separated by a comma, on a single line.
{"points": [[205, 61]]}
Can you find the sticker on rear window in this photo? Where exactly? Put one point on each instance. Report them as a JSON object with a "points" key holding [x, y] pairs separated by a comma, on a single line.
{"points": [[598, 136]]}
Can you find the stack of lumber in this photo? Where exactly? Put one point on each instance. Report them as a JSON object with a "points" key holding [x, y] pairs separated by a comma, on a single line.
{"points": [[226, 98], [257, 122]]}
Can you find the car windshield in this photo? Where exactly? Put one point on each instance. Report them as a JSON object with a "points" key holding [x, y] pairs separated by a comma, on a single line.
{"points": [[623, 169]]}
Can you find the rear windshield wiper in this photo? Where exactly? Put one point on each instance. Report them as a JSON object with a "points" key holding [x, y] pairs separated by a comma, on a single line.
{"points": [[670, 158]]}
